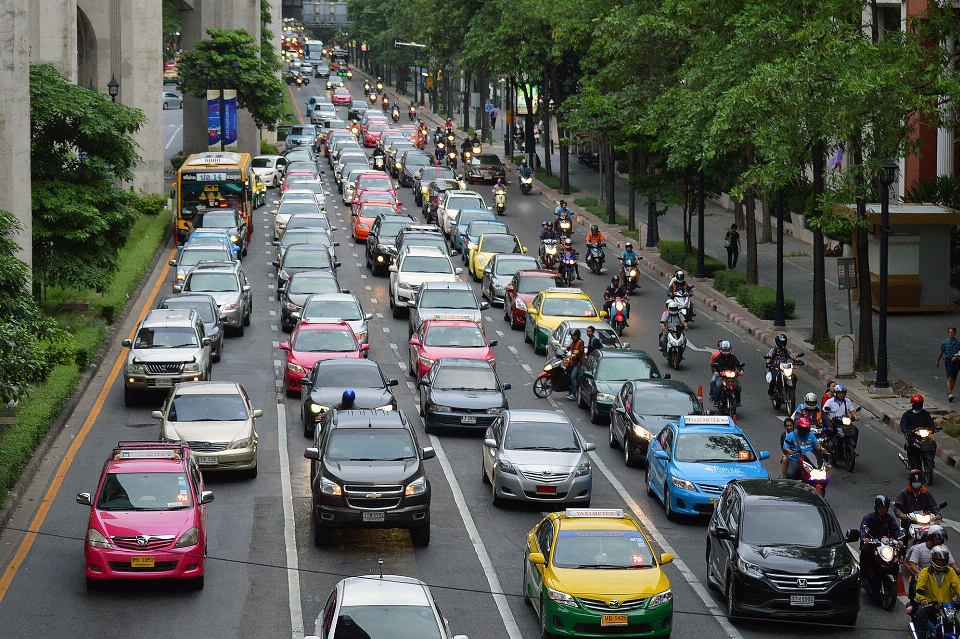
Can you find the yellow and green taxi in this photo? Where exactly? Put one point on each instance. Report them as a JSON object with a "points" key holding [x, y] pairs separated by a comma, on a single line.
{"points": [[590, 572], [552, 306], [259, 192], [488, 245]]}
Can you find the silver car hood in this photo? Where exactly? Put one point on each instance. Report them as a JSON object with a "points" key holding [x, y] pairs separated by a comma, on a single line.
{"points": [[154, 355], [420, 278], [561, 463], [225, 297]]}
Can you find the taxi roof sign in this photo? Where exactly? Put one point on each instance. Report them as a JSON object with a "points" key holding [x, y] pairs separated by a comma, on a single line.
{"points": [[148, 454], [557, 289], [594, 512], [706, 419]]}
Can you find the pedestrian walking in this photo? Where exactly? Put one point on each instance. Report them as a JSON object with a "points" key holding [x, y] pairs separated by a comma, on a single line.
{"points": [[493, 117], [950, 353], [731, 241]]}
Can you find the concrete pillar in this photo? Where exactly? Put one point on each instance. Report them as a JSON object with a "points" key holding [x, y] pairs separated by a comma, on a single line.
{"points": [[276, 30], [217, 14], [14, 119], [945, 152], [137, 59], [53, 35]]}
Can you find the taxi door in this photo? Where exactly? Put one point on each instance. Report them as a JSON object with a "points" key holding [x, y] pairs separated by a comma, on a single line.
{"points": [[530, 328], [540, 540]]}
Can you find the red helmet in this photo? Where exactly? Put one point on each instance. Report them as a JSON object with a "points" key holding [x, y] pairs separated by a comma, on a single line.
{"points": [[916, 398], [803, 424]]}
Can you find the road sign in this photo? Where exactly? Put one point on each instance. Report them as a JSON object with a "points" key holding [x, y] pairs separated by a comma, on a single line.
{"points": [[488, 108], [847, 273]]}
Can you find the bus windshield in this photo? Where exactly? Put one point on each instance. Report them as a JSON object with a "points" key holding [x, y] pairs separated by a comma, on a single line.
{"points": [[203, 195]]}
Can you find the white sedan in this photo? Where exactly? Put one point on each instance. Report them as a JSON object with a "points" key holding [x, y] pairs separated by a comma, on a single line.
{"points": [[270, 168]]}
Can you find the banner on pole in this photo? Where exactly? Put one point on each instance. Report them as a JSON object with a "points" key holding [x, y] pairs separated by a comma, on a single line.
{"points": [[228, 131]]}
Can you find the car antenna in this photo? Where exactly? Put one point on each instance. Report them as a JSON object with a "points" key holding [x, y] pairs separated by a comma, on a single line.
{"points": [[380, 563]]}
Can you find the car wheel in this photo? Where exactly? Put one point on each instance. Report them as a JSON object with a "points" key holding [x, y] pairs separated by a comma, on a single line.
{"points": [[165, 106], [526, 338], [308, 429], [252, 473], [668, 503], [514, 324], [526, 590], [322, 535], [129, 397], [196, 583], [646, 481], [709, 581], [420, 536], [497, 500], [240, 329], [611, 439], [595, 416], [544, 633], [246, 318], [483, 472], [731, 599]]}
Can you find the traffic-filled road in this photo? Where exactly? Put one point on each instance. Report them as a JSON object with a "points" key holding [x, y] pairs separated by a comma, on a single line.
{"points": [[265, 578]]}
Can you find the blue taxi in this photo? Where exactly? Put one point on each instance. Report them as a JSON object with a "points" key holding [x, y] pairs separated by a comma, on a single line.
{"points": [[691, 460]]}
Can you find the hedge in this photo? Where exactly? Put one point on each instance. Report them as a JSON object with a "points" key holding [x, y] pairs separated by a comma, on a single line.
{"points": [[728, 282], [762, 301], [672, 251]]}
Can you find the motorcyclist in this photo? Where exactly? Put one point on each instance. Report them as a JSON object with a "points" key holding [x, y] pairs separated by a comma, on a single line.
{"points": [[570, 252], [562, 213], [725, 361], [876, 525], [839, 406], [777, 355], [465, 148], [499, 187], [396, 112], [595, 236], [811, 411], [678, 285], [525, 169], [912, 420], [626, 257], [547, 232], [918, 557], [670, 320], [439, 152], [475, 141], [612, 292], [915, 498], [936, 584], [347, 401], [796, 444], [386, 103]]}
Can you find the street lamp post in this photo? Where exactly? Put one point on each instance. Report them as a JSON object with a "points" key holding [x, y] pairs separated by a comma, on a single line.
{"points": [[113, 88], [220, 81], [701, 266], [888, 175]]}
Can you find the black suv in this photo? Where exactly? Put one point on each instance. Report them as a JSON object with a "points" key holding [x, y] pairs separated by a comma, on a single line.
{"points": [[367, 472], [776, 549], [382, 241]]}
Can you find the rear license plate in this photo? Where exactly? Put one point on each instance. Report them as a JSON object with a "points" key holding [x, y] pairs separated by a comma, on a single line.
{"points": [[164, 381], [546, 490], [142, 562], [375, 517], [468, 419], [613, 620], [207, 461], [801, 600]]}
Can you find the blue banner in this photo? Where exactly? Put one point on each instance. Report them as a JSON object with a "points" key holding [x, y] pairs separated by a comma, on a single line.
{"points": [[229, 129]]}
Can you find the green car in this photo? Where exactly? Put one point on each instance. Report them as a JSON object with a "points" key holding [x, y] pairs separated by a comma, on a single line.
{"points": [[603, 375]]}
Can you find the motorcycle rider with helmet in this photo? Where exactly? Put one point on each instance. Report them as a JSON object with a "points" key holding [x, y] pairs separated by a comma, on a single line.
{"points": [[595, 236], [499, 187], [936, 584], [839, 406], [915, 498], [811, 411], [912, 420], [679, 286], [725, 361], [670, 320], [918, 557], [347, 400], [777, 355], [626, 257], [612, 292], [876, 525], [562, 213], [796, 444], [569, 252], [525, 169], [547, 232]]}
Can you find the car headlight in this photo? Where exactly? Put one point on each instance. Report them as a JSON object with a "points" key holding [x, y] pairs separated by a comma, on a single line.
{"points": [[440, 409], [234, 238], [246, 442], [294, 367], [364, 226], [506, 467], [519, 304], [426, 361], [328, 487], [561, 597], [96, 539], [495, 411], [361, 336], [660, 598], [642, 432], [749, 569], [416, 487], [230, 307], [683, 484], [290, 306], [604, 397], [318, 408], [846, 571], [189, 538], [471, 245], [193, 367], [136, 369], [283, 275], [583, 469], [385, 407]]}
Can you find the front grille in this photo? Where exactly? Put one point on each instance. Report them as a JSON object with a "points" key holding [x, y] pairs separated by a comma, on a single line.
{"points": [[173, 368], [711, 489], [207, 447], [597, 629], [152, 543], [373, 497], [545, 477], [445, 419], [364, 503], [367, 488], [160, 566], [601, 606], [800, 584]]}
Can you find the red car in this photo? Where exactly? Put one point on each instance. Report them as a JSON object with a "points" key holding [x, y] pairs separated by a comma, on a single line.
{"points": [[372, 132], [414, 134], [438, 338], [371, 195], [315, 341], [365, 216], [374, 181], [341, 96], [520, 292], [148, 516]]}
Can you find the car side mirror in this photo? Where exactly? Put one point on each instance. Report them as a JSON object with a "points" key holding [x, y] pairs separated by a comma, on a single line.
{"points": [[493, 342], [722, 532], [457, 271], [285, 346], [393, 382], [666, 558], [172, 263], [312, 453], [590, 446], [667, 376], [661, 454], [484, 306], [246, 288], [415, 341], [336, 264], [206, 341], [127, 343], [276, 263], [506, 386], [428, 452], [490, 442], [84, 499], [206, 497], [523, 249], [368, 316], [157, 414], [275, 242], [764, 454], [336, 244], [257, 413], [852, 535], [509, 288], [364, 348], [393, 268], [537, 558]]}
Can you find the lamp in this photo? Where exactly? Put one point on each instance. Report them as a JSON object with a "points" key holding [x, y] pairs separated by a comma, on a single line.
{"points": [[113, 88], [887, 176]]}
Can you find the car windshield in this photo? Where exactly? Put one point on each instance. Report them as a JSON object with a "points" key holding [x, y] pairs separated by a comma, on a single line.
{"points": [[454, 336], [485, 159], [447, 299], [348, 377], [458, 202], [602, 549], [664, 402], [617, 369], [416, 159], [306, 259], [303, 129], [427, 264], [377, 127], [782, 523], [378, 183], [302, 166], [386, 622], [509, 267], [216, 220], [370, 444], [212, 283], [166, 337], [530, 285], [192, 256], [263, 163], [304, 236], [451, 378], [374, 210], [347, 310], [313, 187], [476, 229], [208, 408], [203, 309], [297, 178], [299, 156], [144, 491], [713, 447], [291, 208], [312, 285], [556, 436], [568, 307], [377, 196], [325, 340]]}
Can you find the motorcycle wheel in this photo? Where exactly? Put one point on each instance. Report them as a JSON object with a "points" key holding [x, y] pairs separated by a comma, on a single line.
{"points": [[618, 327], [595, 266], [791, 399], [928, 471], [888, 594], [851, 454], [674, 359], [543, 387]]}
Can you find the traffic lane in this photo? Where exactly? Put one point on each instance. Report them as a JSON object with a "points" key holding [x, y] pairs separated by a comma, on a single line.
{"points": [[172, 134]]}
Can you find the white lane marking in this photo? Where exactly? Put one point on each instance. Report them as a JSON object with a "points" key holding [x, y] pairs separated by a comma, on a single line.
{"points": [[412, 386], [698, 588], [509, 622], [276, 344], [697, 348], [363, 277], [379, 315], [513, 349], [394, 346], [172, 137], [273, 313], [271, 287], [386, 329], [373, 300], [527, 368], [268, 251], [289, 527], [356, 255], [552, 401], [499, 333], [274, 328], [402, 365]]}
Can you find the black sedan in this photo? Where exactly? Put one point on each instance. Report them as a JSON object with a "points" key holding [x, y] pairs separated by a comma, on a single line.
{"points": [[486, 167], [604, 373], [642, 408], [323, 387], [461, 394]]}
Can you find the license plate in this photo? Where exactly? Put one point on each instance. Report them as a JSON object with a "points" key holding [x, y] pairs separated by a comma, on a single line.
{"points": [[207, 461], [613, 620], [468, 419], [713, 501], [546, 490], [375, 517], [801, 600], [164, 381], [142, 562]]}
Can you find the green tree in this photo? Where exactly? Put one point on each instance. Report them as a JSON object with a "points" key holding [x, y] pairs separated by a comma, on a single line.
{"points": [[259, 90]]}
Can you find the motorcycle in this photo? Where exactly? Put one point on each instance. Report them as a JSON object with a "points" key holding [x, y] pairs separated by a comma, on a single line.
{"points": [[385, 104], [412, 112], [684, 302], [630, 273], [366, 87], [554, 377], [373, 98], [618, 315], [549, 253], [452, 159], [526, 184], [379, 162], [843, 443], [729, 386], [813, 472], [355, 129], [565, 227], [785, 388], [944, 626], [379, 86], [676, 345], [476, 148], [919, 522], [880, 577], [465, 156], [500, 201], [595, 257], [433, 216], [568, 270], [395, 114], [922, 449]]}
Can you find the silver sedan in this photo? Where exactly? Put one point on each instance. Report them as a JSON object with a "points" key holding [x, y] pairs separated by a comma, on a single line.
{"points": [[537, 456]]}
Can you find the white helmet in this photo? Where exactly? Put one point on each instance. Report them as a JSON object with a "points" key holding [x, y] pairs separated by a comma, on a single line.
{"points": [[672, 307]]}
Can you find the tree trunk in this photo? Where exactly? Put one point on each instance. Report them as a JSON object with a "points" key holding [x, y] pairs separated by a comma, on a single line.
{"points": [[483, 118], [750, 211], [821, 331], [467, 85], [866, 357], [545, 137], [611, 184]]}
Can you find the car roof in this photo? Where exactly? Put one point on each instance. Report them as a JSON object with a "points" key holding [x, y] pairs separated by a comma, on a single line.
{"points": [[327, 297], [169, 317], [538, 272], [458, 286], [138, 457], [431, 251], [218, 266], [675, 384], [565, 292], [463, 362], [456, 192], [208, 388], [388, 590], [535, 415], [369, 418], [624, 522], [186, 298]]}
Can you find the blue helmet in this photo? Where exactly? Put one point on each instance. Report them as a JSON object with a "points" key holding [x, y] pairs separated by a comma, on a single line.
{"points": [[839, 388], [725, 346], [349, 395]]}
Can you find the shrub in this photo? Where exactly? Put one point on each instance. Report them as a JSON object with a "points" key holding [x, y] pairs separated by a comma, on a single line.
{"points": [[267, 149], [762, 301], [150, 204], [177, 160], [672, 252], [728, 282]]}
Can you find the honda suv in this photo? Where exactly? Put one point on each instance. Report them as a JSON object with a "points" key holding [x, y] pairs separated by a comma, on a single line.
{"points": [[776, 549]]}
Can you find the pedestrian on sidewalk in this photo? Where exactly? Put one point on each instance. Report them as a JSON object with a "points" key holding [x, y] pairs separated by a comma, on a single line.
{"points": [[732, 243], [950, 348], [494, 112]]}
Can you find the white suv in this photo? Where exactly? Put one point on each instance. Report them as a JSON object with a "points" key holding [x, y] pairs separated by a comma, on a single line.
{"points": [[451, 204], [416, 265]]}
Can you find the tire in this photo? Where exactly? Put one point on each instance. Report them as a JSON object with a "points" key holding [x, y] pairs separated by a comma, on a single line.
{"points": [[496, 499], [646, 481], [852, 461], [246, 318], [629, 459], [322, 536], [709, 581], [543, 387], [514, 324], [595, 417], [928, 471], [618, 328], [526, 338], [420, 535], [483, 473], [526, 591], [731, 596], [95, 585], [240, 329], [611, 440], [130, 398], [537, 348], [397, 311], [252, 473], [888, 594], [544, 633], [667, 507], [791, 400], [580, 402], [165, 106], [307, 431]]}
